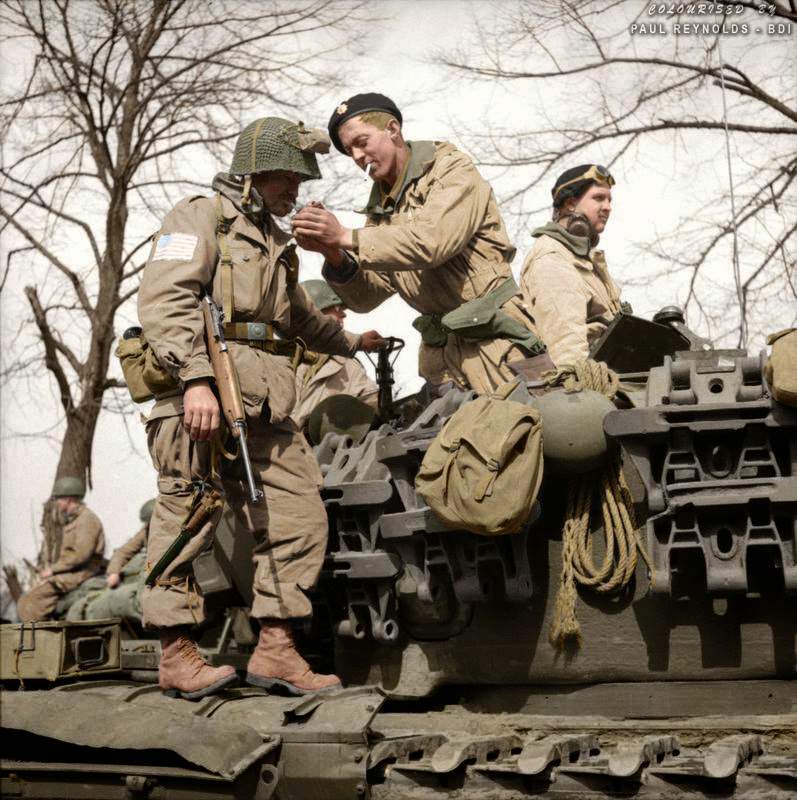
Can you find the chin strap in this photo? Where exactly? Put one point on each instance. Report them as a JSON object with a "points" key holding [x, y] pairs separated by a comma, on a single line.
{"points": [[247, 191]]}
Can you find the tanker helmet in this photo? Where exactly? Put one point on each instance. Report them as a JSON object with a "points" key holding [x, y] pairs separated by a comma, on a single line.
{"points": [[145, 514], [322, 294], [272, 143], [69, 486]]}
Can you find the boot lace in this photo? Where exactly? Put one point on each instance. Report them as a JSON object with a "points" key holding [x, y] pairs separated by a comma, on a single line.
{"points": [[188, 650]]}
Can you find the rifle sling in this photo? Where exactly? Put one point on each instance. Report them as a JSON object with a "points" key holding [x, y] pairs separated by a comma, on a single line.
{"points": [[225, 262]]}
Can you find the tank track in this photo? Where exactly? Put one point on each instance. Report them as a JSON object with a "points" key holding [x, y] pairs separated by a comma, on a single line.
{"points": [[355, 744]]}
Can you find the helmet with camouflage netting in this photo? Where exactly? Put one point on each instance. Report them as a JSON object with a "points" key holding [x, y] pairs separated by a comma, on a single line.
{"points": [[272, 143]]}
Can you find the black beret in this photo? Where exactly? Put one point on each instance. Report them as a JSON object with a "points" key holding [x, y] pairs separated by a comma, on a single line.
{"points": [[575, 181], [356, 105]]}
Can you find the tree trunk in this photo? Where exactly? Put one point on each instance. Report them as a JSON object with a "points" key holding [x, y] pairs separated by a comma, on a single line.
{"points": [[76, 446]]}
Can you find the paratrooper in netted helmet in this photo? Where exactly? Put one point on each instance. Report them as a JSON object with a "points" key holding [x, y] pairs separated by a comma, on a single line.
{"points": [[229, 247]]}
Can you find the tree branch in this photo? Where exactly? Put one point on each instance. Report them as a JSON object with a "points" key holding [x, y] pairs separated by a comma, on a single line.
{"points": [[50, 349], [71, 276]]}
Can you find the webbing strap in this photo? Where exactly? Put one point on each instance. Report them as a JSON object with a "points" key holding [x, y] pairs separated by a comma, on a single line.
{"points": [[290, 261], [225, 262]]}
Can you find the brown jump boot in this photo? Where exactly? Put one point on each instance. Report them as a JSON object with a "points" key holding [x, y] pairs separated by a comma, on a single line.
{"points": [[182, 672], [276, 664]]}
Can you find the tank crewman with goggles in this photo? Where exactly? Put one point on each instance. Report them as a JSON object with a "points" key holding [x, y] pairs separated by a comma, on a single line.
{"points": [[564, 278], [230, 246], [434, 235], [72, 550], [329, 375]]}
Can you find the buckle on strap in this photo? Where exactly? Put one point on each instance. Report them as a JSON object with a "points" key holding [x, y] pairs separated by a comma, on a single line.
{"points": [[257, 330], [252, 331]]}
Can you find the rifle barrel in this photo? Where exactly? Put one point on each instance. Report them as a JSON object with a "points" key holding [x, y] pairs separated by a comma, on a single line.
{"points": [[255, 494]]}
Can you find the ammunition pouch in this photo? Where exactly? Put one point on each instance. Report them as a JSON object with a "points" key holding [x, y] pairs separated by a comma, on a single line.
{"points": [[480, 319], [143, 373]]}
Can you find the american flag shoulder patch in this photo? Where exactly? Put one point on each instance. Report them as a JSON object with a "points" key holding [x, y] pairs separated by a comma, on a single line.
{"points": [[175, 247]]}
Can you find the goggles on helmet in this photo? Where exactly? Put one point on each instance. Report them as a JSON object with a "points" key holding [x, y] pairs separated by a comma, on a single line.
{"points": [[596, 173]]}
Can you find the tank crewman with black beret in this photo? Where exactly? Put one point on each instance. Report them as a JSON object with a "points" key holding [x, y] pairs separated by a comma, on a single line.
{"points": [[434, 235], [329, 375], [564, 278], [72, 550], [230, 246]]}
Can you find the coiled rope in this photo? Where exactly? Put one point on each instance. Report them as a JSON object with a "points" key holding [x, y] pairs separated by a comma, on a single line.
{"points": [[622, 547]]}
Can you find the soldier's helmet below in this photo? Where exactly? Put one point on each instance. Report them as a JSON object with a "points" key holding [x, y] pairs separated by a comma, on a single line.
{"points": [[574, 440], [341, 414], [145, 514], [272, 143], [322, 294], [69, 486]]}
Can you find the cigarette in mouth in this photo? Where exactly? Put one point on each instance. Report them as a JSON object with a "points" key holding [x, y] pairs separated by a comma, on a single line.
{"points": [[368, 170]]}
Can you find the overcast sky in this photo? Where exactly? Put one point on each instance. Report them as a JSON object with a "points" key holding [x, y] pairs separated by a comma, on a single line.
{"points": [[649, 196]]}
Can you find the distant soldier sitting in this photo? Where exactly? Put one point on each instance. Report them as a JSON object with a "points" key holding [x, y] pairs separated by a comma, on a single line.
{"points": [[132, 547], [71, 551], [118, 594], [330, 374]]}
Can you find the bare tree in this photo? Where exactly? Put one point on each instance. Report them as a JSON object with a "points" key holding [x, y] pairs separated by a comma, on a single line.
{"points": [[603, 86], [121, 102]]}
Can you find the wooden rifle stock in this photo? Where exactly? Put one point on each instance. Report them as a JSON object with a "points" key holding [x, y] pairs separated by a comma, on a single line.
{"points": [[229, 388]]}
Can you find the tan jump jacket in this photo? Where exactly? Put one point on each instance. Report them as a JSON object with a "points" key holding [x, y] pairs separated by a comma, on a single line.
{"points": [[334, 375], [134, 545], [572, 297], [440, 243], [168, 302], [80, 557]]}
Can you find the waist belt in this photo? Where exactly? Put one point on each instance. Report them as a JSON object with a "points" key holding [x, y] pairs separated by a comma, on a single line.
{"points": [[260, 335], [252, 331], [480, 319]]}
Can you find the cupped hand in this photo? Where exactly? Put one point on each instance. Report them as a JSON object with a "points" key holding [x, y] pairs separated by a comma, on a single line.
{"points": [[200, 411], [314, 224], [112, 580]]}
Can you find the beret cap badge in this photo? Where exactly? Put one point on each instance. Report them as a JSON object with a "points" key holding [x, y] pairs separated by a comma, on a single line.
{"points": [[356, 105]]}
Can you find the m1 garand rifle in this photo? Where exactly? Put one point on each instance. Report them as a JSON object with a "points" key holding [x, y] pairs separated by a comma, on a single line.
{"points": [[229, 388]]}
